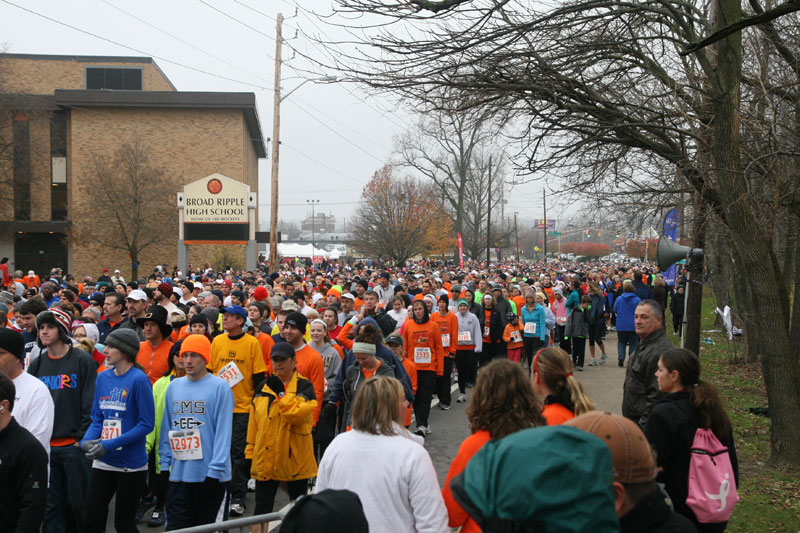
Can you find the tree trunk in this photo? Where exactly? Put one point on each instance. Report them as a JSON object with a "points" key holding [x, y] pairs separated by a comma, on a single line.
{"points": [[779, 361], [134, 267], [694, 300]]}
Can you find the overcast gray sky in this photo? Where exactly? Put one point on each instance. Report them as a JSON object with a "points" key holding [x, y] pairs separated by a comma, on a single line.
{"points": [[333, 137]]}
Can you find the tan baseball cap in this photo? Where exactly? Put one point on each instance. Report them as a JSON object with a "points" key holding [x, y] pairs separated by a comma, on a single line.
{"points": [[633, 457]]}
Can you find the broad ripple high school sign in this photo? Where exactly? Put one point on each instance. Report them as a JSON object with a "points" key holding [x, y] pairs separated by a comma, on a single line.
{"points": [[217, 210]]}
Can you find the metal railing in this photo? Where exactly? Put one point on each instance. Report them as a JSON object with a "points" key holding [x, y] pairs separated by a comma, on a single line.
{"points": [[242, 524]]}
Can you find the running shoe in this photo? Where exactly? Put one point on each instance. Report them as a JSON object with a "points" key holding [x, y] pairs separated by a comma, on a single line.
{"points": [[444, 407], [603, 359], [593, 362], [237, 509], [461, 398], [421, 431], [157, 519], [145, 505]]}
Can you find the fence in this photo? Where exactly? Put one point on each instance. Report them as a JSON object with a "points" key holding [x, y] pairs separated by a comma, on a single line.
{"points": [[240, 524]]}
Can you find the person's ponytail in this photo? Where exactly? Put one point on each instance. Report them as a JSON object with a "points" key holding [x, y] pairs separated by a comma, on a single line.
{"points": [[580, 401], [703, 396], [707, 406]]}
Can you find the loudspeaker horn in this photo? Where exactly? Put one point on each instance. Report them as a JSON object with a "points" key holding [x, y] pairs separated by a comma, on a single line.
{"points": [[670, 253]]}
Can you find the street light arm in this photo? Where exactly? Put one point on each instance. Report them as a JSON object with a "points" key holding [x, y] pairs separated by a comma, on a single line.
{"points": [[324, 79]]}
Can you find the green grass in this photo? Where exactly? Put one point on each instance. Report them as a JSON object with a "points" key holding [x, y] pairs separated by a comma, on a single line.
{"points": [[769, 497]]}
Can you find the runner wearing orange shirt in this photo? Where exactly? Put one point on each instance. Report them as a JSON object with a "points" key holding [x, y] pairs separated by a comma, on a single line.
{"points": [[448, 327], [423, 343], [308, 361]]}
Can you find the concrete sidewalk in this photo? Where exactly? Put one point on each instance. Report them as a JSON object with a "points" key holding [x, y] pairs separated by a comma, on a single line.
{"points": [[603, 383]]}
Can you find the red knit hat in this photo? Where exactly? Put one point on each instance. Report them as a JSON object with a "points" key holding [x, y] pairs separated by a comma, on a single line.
{"points": [[260, 293], [165, 289]]}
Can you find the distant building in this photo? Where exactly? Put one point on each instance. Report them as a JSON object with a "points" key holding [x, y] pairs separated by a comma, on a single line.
{"points": [[64, 110], [319, 223]]}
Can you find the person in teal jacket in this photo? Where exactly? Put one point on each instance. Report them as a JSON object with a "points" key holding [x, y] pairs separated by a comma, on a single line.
{"points": [[534, 329], [574, 298]]}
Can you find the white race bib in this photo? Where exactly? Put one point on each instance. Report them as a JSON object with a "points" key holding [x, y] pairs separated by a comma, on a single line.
{"points": [[485, 331], [422, 355], [186, 444], [530, 327], [112, 428], [515, 336], [445, 340], [465, 337], [561, 321], [231, 374]]}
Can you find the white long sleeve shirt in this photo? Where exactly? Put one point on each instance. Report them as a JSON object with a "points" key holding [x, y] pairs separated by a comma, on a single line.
{"points": [[33, 408], [394, 478]]}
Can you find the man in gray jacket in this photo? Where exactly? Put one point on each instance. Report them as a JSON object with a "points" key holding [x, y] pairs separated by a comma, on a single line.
{"points": [[640, 391]]}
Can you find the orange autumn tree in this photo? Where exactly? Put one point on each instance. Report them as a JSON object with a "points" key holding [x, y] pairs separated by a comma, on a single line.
{"points": [[441, 238], [394, 217]]}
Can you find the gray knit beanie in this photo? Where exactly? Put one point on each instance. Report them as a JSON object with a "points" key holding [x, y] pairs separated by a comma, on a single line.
{"points": [[125, 340]]}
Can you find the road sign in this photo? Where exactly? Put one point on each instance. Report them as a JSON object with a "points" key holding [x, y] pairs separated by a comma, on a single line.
{"points": [[554, 234]]}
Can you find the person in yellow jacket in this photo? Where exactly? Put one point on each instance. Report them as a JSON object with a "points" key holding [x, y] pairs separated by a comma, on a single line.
{"points": [[279, 440]]}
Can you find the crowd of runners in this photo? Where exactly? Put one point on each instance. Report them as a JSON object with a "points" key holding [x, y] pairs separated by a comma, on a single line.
{"points": [[176, 393]]}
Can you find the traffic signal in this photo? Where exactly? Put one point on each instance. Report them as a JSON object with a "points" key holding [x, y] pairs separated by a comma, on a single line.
{"points": [[588, 233]]}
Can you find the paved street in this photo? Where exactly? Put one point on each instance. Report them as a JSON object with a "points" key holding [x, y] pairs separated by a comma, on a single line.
{"points": [[603, 384]]}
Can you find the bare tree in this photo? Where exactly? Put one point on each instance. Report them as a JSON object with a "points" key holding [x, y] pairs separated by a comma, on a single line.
{"points": [[134, 198]]}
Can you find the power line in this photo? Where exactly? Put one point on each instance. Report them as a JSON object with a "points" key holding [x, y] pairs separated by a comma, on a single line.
{"points": [[312, 158], [379, 159], [160, 58], [223, 13], [165, 32]]}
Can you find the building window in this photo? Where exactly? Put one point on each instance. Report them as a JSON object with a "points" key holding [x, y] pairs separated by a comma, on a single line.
{"points": [[116, 78], [58, 158], [22, 167]]}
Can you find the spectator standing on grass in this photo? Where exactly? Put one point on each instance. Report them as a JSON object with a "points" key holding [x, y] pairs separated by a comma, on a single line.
{"points": [[690, 403]]}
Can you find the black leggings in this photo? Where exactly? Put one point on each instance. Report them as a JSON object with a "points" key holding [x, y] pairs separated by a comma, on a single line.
{"points": [[596, 333], [266, 490], [103, 484], [530, 345], [466, 367]]}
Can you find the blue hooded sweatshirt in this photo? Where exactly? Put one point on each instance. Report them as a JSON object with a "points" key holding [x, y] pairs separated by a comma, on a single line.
{"points": [[381, 352], [624, 307]]}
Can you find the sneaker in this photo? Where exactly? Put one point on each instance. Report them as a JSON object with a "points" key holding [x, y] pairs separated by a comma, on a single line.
{"points": [[427, 430], [237, 509], [593, 362], [603, 359], [444, 407], [621, 363], [145, 505], [157, 519], [461, 398], [421, 431], [580, 369]]}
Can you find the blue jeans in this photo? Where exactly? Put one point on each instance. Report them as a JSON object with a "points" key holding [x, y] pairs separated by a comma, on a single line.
{"points": [[626, 338], [69, 477]]}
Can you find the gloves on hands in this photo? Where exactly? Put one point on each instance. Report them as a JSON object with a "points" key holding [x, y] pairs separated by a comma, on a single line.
{"points": [[275, 383], [93, 449], [329, 411]]}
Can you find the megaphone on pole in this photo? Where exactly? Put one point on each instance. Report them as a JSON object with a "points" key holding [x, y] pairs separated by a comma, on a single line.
{"points": [[669, 253]]}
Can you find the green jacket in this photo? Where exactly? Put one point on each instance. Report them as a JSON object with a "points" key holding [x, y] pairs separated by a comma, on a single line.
{"points": [[159, 394]]}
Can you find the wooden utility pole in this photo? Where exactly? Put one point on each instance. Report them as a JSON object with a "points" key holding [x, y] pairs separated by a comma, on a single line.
{"points": [[489, 217], [544, 231], [276, 134], [516, 238]]}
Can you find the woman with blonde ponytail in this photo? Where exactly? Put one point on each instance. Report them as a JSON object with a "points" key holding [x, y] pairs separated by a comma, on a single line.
{"points": [[563, 395]]}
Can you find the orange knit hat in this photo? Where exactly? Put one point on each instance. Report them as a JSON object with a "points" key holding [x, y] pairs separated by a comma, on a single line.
{"points": [[199, 344]]}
